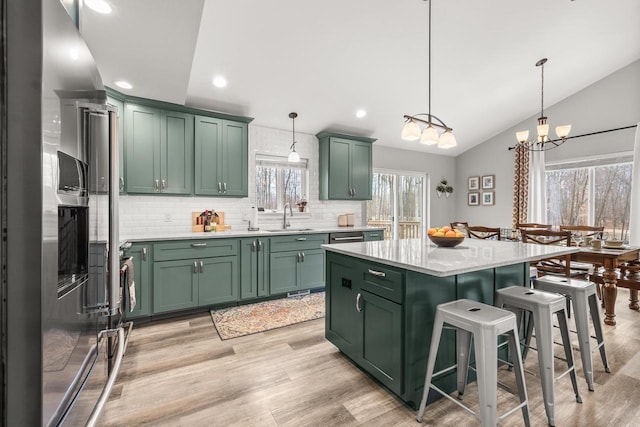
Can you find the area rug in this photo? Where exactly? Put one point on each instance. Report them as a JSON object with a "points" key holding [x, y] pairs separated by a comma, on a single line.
{"points": [[249, 319]]}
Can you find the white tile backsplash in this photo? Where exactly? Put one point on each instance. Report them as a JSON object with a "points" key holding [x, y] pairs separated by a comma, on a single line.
{"points": [[156, 216]]}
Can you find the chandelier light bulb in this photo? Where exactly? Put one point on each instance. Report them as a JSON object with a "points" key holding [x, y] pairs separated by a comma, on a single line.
{"points": [[411, 131], [447, 140], [429, 136], [522, 136], [563, 131]]}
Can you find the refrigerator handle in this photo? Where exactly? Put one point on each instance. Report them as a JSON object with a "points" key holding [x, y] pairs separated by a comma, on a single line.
{"points": [[114, 232]]}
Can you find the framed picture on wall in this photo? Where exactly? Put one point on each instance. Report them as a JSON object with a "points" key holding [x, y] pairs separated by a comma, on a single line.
{"points": [[487, 198], [473, 199], [474, 183], [488, 182]]}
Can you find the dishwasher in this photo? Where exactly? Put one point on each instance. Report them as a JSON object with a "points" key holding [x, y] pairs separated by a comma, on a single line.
{"points": [[346, 237]]}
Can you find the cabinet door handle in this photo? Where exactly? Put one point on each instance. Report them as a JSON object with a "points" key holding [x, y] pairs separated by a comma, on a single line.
{"points": [[354, 192], [253, 246], [121, 179], [377, 273], [259, 245], [219, 187], [201, 267], [301, 239], [157, 185], [298, 256], [144, 254], [358, 302], [302, 256], [195, 267], [198, 245], [164, 185], [224, 187]]}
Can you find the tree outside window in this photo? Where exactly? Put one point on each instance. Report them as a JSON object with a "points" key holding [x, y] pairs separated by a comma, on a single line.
{"points": [[279, 182], [596, 194]]}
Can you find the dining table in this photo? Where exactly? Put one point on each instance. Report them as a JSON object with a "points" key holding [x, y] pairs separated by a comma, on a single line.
{"points": [[611, 259]]}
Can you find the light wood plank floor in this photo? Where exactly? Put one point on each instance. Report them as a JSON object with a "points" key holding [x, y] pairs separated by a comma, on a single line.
{"points": [[179, 373]]}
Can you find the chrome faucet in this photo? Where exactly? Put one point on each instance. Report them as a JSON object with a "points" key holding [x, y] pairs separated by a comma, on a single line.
{"points": [[286, 223]]}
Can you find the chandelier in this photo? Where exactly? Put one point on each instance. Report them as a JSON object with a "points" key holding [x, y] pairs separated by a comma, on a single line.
{"points": [[538, 144], [430, 135], [294, 157]]}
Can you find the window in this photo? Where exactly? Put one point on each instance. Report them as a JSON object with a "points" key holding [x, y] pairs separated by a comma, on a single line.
{"points": [[279, 182], [397, 204], [591, 192]]}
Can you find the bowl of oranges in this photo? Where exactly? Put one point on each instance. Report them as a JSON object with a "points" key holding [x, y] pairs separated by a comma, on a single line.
{"points": [[445, 237]]}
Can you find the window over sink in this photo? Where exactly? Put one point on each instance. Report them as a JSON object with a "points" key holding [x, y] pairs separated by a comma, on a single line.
{"points": [[279, 181]]}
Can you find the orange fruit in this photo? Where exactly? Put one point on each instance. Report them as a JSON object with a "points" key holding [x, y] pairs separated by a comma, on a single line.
{"points": [[459, 234], [446, 228], [439, 234], [450, 233], [431, 231]]}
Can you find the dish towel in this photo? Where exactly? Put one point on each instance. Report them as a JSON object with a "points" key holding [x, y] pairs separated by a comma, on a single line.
{"points": [[127, 279]]}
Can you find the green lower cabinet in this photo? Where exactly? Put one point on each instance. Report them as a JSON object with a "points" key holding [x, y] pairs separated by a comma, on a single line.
{"points": [[254, 273], [192, 283], [218, 280], [142, 276], [381, 332], [296, 270], [364, 326], [175, 285], [283, 275], [311, 269]]}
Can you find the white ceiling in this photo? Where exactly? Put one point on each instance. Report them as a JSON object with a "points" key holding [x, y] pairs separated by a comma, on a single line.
{"points": [[325, 59]]}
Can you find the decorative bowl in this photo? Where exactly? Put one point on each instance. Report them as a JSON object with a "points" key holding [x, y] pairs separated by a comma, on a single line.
{"points": [[446, 242]]}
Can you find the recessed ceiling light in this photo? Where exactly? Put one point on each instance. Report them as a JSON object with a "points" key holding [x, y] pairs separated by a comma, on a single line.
{"points": [[360, 114], [219, 81], [100, 6], [123, 84]]}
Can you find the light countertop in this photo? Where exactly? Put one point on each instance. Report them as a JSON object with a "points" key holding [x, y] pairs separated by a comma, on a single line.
{"points": [[240, 233], [471, 255]]}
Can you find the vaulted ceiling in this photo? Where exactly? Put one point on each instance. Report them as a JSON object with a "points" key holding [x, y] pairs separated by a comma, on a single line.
{"points": [[325, 59]]}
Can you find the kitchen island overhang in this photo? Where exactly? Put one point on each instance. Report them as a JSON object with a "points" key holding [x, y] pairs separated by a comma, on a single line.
{"points": [[382, 296]]}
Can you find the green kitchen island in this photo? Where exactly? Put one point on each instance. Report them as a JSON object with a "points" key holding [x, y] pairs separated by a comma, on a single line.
{"points": [[381, 299]]}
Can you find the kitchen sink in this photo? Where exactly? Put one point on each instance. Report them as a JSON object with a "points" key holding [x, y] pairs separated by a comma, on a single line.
{"points": [[290, 229]]}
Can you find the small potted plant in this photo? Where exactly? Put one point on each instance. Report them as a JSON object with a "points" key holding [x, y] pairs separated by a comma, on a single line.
{"points": [[444, 188], [301, 204]]}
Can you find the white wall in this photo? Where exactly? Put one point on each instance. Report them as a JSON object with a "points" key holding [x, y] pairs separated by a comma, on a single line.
{"points": [[146, 216], [442, 209], [609, 103]]}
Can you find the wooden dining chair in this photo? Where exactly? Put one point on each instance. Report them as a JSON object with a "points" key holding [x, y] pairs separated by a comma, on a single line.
{"points": [[533, 225], [560, 265], [460, 226], [480, 232], [584, 230]]}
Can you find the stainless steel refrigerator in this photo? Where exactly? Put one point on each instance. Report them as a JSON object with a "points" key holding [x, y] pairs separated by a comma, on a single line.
{"points": [[81, 344]]}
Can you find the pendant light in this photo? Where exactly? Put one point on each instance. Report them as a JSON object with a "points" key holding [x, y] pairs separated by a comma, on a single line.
{"points": [[294, 157], [542, 129], [429, 136]]}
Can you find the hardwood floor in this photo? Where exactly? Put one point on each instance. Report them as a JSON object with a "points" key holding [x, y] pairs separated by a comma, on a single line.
{"points": [[179, 373]]}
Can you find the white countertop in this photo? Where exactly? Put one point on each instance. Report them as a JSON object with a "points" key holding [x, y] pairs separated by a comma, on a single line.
{"points": [[239, 233], [471, 255]]}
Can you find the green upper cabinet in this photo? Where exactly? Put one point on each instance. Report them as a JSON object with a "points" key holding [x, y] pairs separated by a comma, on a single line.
{"points": [[120, 106], [159, 150], [345, 167], [221, 157]]}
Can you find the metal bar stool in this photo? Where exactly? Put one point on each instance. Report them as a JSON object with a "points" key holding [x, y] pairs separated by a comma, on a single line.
{"points": [[542, 306], [484, 323], [583, 296]]}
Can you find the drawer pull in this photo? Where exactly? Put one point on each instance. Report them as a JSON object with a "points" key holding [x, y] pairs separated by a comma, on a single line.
{"points": [[198, 245], [301, 239], [377, 273], [358, 308]]}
